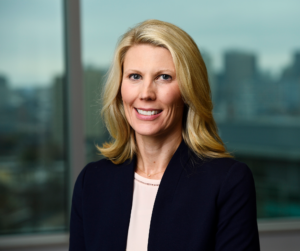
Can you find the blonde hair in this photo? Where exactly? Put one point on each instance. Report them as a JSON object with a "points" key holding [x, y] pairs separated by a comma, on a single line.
{"points": [[199, 129]]}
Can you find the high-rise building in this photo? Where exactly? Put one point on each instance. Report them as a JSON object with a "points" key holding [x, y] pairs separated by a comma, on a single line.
{"points": [[292, 72], [239, 67], [290, 87], [95, 131], [93, 82], [3, 91], [58, 116], [237, 87]]}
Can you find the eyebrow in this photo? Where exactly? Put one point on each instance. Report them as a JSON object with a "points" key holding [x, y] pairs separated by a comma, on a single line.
{"points": [[157, 72], [132, 70]]}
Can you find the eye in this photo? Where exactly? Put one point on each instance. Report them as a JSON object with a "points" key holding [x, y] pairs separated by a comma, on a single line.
{"points": [[135, 76], [166, 77]]}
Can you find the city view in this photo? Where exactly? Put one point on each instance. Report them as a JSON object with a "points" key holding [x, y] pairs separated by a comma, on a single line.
{"points": [[258, 116]]}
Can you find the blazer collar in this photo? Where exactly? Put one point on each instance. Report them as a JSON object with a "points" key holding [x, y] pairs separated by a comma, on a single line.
{"points": [[172, 175]]}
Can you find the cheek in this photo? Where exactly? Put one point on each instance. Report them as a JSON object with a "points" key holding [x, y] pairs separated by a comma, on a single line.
{"points": [[173, 98], [126, 93]]}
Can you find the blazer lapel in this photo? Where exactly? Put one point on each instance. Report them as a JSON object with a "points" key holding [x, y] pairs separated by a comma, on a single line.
{"points": [[164, 197], [124, 182]]}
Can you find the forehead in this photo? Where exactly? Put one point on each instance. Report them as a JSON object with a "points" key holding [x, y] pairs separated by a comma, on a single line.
{"points": [[146, 55]]}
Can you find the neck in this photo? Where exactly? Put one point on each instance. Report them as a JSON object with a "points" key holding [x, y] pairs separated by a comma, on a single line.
{"points": [[155, 154]]}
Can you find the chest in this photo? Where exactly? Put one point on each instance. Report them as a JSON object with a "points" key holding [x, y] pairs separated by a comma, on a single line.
{"points": [[183, 216]]}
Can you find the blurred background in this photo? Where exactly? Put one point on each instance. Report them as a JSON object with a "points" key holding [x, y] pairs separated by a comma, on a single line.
{"points": [[252, 53]]}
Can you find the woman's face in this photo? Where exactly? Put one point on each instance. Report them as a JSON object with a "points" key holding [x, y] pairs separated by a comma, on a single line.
{"points": [[150, 91]]}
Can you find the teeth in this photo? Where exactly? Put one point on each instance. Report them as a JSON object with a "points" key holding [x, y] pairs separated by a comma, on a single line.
{"points": [[148, 113]]}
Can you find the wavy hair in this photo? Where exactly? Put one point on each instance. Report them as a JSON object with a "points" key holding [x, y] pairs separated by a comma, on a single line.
{"points": [[199, 130]]}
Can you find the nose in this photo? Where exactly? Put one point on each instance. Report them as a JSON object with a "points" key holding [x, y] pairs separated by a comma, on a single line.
{"points": [[148, 91]]}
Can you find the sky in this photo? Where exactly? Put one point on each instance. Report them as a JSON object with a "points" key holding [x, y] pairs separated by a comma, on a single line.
{"points": [[32, 46]]}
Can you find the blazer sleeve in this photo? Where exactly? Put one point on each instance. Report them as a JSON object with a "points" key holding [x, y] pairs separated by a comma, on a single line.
{"points": [[237, 222], [77, 241]]}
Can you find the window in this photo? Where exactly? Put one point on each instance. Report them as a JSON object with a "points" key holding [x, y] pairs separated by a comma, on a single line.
{"points": [[33, 170]]}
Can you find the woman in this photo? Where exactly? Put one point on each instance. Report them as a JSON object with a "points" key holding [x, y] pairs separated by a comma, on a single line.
{"points": [[167, 182]]}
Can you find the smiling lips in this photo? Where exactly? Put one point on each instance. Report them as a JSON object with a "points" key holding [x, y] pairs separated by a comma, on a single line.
{"points": [[148, 112]]}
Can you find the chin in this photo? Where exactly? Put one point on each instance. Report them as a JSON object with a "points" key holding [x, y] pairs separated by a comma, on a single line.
{"points": [[147, 132]]}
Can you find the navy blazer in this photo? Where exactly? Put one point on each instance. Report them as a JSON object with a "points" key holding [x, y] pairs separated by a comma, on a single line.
{"points": [[200, 205]]}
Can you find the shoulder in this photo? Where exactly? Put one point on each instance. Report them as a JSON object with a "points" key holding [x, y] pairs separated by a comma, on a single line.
{"points": [[228, 182], [219, 167], [99, 171], [220, 173], [225, 167], [233, 180]]}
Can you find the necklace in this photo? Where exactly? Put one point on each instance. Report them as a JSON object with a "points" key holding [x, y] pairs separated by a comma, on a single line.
{"points": [[149, 184], [149, 175]]}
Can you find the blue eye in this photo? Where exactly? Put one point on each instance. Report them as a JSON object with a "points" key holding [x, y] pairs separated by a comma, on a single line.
{"points": [[134, 76], [166, 77]]}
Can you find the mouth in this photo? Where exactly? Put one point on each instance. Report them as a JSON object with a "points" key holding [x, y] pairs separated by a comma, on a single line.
{"points": [[148, 112]]}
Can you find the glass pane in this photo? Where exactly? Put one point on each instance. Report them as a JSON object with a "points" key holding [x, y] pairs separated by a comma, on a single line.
{"points": [[95, 132], [32, 149], [252, 53]]}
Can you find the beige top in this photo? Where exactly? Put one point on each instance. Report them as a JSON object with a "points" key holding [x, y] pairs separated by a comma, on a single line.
{"points": [[144, 194]]}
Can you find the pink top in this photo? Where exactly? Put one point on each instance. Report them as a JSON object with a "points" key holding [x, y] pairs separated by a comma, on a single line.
{"points": [[144, 194]]}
